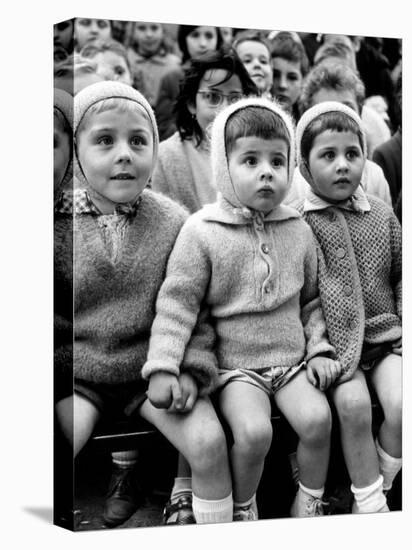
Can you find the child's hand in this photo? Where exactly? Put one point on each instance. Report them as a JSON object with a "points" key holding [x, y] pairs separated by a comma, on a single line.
{"points": [[322, 372], [188, 388], [164, 389]]}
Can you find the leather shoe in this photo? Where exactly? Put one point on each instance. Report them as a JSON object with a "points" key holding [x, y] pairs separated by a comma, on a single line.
{"points": [[123, 498]]}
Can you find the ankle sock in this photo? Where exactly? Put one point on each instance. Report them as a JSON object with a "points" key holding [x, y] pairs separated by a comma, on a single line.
{"points": [[316, 493], [213, 511], [370, 499], [182, 486], [125, 459], [389, 466], [247, 504]]}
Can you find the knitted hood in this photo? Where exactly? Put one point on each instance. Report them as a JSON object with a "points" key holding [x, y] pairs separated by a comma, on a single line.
{"points": [[63, 102], [315, 111], [100, 91], [220, 168]]}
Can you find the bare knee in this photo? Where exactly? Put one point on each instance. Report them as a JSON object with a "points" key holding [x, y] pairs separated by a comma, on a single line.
{"points": [[253, 439], [317, 425], [208, 449], [355, 412]]}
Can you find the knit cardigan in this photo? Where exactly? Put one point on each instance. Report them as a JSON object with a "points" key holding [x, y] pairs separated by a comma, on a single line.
{"points": [[360, 277], [114, 304], [259, 279]]}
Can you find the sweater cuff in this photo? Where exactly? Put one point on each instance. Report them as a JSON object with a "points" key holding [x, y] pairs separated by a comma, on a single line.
{"points": [[321, 350], [151, 367]]}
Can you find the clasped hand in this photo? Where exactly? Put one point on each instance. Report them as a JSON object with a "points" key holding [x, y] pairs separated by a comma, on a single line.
{"points": [[175, 393], [322, 372]]}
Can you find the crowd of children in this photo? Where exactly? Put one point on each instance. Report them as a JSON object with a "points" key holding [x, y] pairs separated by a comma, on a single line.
{"points": [[249, 255]]}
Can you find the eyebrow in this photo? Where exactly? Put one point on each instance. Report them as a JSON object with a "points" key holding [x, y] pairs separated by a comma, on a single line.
{"points": [[114, 128]]}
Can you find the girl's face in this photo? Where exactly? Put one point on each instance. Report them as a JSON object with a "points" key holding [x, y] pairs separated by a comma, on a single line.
{"points": [[227, 35], [256, 59], [201, 40], [61, 154], [91, 29], [115, 151], [112, 66], [336, 163], [213, 94], [149, 36], [287, 81]]}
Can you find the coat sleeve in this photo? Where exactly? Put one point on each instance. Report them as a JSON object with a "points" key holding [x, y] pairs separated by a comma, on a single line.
{"points": [[177, 309], [313, 320]]}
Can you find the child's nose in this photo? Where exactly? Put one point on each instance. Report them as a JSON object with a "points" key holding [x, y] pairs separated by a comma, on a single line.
{"points": [[342, 163], [123, 153]]}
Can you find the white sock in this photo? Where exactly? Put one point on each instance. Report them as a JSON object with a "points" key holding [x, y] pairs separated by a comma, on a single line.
{"points": [[246, 504], [125, 459], [182, 486], [316, 493], [213, 511], [389, 466], [371, 498]]}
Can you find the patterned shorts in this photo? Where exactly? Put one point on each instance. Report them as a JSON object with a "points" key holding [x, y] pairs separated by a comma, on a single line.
{"points": [[270, 379]]}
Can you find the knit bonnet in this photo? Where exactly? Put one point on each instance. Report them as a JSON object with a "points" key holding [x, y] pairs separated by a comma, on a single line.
{"points": [[100, 91], [220, 166], [313, 113], [63, 102]]}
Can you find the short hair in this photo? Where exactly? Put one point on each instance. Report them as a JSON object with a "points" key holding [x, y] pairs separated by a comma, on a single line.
{"points": [[254, 121], [225, 58], [335, 121], [122, 103], [91, 49], [331, 76], [252, 36], [286, 47], [184, 31], [337, 51]]}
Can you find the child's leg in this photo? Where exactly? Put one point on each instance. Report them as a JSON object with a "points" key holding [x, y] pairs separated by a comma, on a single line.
{"points": [[353, 405], [247, 410], [386, 378], [199, 436], [307, 410], [78, 418]]}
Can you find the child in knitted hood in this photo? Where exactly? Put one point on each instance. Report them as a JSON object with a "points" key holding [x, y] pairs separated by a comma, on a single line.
{"points": [[360, 287], [123, 235], [236, 256]]}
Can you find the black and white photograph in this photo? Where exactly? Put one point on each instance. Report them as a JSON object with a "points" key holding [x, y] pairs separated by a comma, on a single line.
{"points": [[222, 289]]}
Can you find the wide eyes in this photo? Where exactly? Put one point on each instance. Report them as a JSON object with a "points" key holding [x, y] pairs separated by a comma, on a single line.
{"points": [[135, 141]]}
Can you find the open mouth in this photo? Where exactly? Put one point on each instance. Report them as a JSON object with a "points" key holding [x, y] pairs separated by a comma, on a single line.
{"points": [[123, 176], [343, 180]]}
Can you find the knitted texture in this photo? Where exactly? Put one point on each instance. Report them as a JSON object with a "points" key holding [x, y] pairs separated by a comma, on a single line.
{"points": [[263, 300], [114, 304], [220, 171], [360, 278]]}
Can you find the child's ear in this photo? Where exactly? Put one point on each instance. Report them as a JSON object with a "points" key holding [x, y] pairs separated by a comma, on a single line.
{"points": [[191, 107], [304, 170]]}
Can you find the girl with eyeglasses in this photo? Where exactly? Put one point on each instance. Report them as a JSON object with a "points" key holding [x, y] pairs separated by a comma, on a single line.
{"points": [[211, 81]]}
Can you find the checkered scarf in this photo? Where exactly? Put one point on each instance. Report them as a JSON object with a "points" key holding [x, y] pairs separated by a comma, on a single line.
{"points": [[79, 202]]}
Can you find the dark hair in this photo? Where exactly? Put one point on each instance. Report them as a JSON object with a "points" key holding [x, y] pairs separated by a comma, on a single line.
{"points": [[182, 34], [286, 47], [331, 76], [254, 121], [225, 58], [91, 49], [335, 121], [252, 36]]}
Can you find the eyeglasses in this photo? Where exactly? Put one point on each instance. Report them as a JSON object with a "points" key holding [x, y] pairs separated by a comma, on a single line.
{"points": [[215, 98]]}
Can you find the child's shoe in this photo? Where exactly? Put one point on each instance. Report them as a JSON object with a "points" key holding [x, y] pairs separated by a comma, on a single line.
{"points": [[179, 512], [246, 513], [123, 498], [355, 508], [306, 506]]}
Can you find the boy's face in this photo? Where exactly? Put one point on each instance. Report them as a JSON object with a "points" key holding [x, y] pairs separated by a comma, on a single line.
{"points": [[259, 172], [287, 81], [336, 164], [256, 59], [347, 97], [210, 85], [149, 36], [115, 151], [61, 154], [201, 40], [112, 66], [91, 29]]}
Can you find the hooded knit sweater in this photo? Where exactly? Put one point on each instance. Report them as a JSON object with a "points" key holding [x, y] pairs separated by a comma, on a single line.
{"points": [[360, 268], [258, 276]]}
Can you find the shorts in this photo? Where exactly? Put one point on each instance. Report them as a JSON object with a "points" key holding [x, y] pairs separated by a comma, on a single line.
{"points": [[372, 354], [268, 379], [113, 400]]}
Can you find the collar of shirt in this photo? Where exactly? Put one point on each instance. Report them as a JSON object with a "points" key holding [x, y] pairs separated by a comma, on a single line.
{"points": [[79, 202], [358, 202]]}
